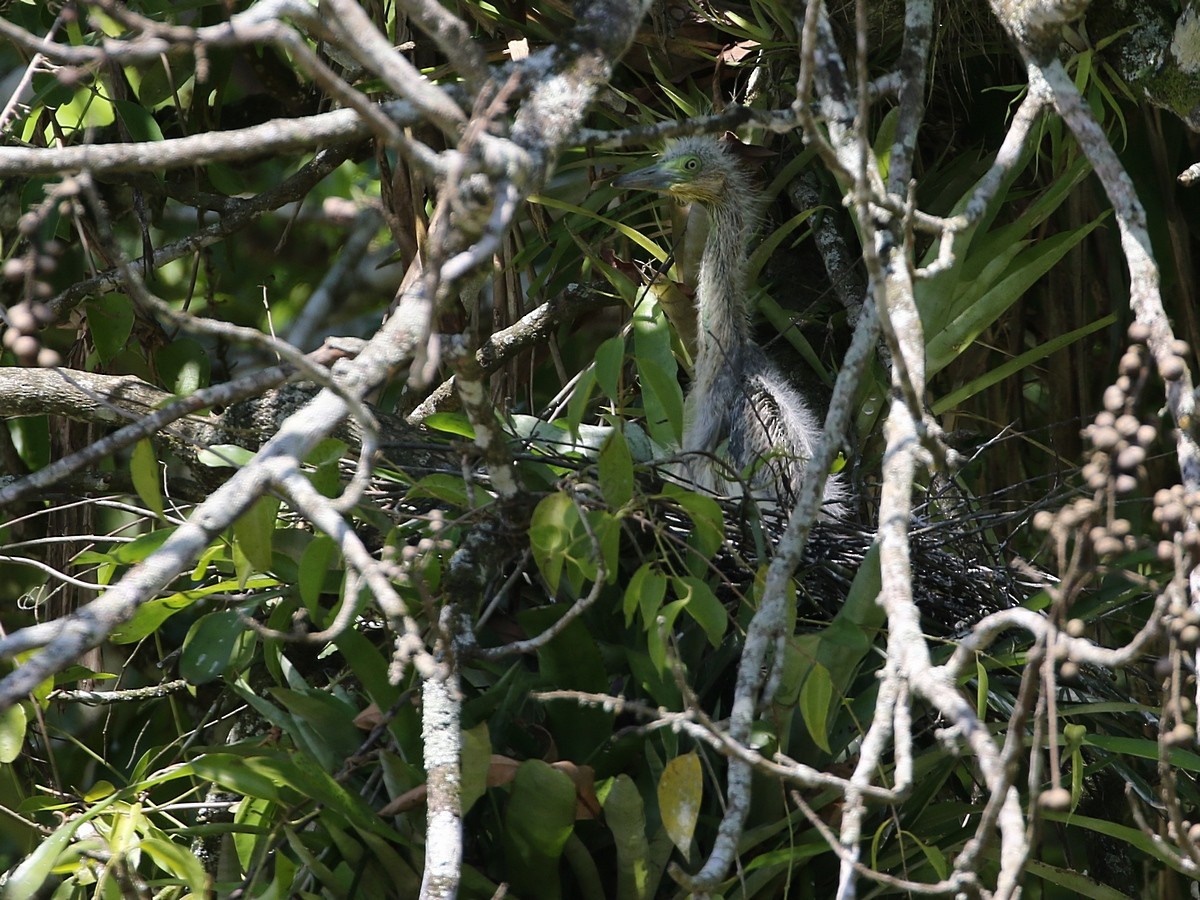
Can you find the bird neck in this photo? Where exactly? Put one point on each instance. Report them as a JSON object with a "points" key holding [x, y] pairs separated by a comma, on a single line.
{"points": [[721, 296]]}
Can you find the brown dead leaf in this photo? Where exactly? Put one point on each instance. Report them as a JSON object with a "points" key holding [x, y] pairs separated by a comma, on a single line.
{"points": [[369, 718]]}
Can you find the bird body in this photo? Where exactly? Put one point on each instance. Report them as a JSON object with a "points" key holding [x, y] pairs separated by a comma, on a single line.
{"points": [[740, 406]]}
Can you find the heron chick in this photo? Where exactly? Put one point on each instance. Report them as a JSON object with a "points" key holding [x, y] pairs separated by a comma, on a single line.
{"points": [[740, 406]]}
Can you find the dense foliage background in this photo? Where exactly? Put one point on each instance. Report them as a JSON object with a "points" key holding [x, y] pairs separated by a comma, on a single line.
{"points": [[500, 611]]}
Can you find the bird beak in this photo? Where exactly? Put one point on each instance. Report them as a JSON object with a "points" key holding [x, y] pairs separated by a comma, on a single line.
{"points": [[651, 178]]}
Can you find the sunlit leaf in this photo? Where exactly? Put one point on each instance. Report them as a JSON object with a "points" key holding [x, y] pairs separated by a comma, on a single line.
{"points": [[680, 790], [143, 468], [624, 813], [254, 531], [12, 732]]}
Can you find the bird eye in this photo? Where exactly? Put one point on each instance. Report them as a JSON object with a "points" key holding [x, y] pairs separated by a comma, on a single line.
{"points": [[692, 164]]}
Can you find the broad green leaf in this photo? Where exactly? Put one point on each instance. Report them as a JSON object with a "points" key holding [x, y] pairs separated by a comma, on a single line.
{"points": [[243, 775], [708, 532], [644, 593], [143, 468], [680, 791], [316, 563], [110, 320], [327, 476], [327, 720], [141, 546], [476, 757], [661, 394], [302, 773], [703, 606], [572, 661], [254, 530], [450, 423], [224, 456], [12, 732], [183, 365], [138, 122], [370, 667], [446, 488], [155, 87], [610, 359], [581, 399], [654, 634], [550, 533], [624, 813], [539, 818], [815, 697], [209, 646], [616, 470]]}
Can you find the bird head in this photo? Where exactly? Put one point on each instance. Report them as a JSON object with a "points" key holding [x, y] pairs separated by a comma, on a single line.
{"points": [[692, 170]]}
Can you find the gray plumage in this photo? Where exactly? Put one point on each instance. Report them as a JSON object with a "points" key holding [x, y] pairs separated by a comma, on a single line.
{"points": [[740, 406]]}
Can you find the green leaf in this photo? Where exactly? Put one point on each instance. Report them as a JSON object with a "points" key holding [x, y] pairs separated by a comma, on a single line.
{"points": [[624, 813], [177, 861], [703, 606], [328, 721], [325, 457], [581, 399], [31, 874], [1076, 883], [242, 775], [550, 533], [138, 122], [209, 646], [654, 634], [254, 530], [996, 374], [151, 614], [709, 525], [661, 394], [12, 732], [572, 661], [224, 456], [445, 488], [183, 365], [476, 756], [945, 345], [316, 564], [450, 423], [610, 359], [141, 546], [645, 593], [632, 233], [616, 470], [815, 697], [680, 791], [157, 87], [143, 468], [537, 822], [110, 320]]}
